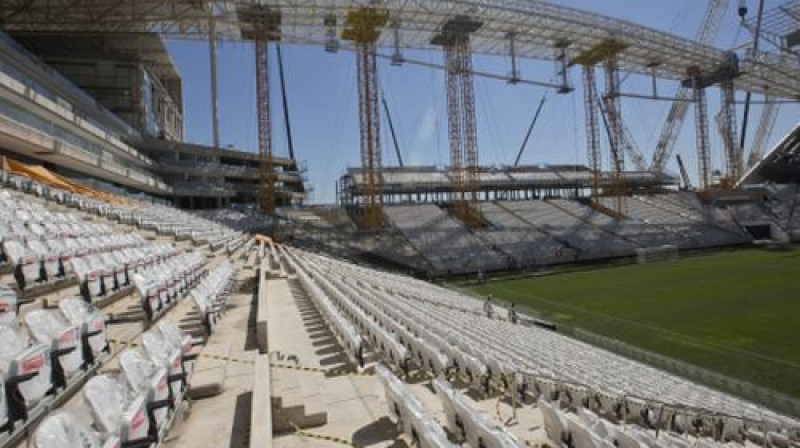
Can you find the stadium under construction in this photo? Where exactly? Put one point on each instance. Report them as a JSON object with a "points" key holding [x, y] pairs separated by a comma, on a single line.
{"points": [[160, 292]]}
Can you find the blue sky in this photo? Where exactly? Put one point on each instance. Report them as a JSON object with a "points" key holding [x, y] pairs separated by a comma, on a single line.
{"points": [[323, 102]]}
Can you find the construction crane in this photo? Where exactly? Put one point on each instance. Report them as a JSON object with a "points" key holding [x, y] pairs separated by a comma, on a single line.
{"points": [[265, 28], [677, 113], [765, 127], [362, 27], [606, 53], [461, 119], [629, 146]]}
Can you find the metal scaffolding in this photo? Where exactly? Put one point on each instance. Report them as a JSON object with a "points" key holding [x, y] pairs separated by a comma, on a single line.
{"points": [[616, 135], [765, 127], [538, 27], [361, 27], [701, 124], [592, 129], [266, 198], [734, 160], [677, 113], [527, 29], [606, 53], [266, 27], [461, 119]]}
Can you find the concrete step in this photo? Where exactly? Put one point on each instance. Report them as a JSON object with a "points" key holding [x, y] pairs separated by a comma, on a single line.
{"points": [[208, 378], [297, 397], [289, 419]]}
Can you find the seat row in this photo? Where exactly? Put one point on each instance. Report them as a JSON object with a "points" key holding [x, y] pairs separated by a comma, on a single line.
{"points": [[135, 407], [146, 215], [469, 425], [434, 335], [160, 284], [102, 274], [370, 330], [410, 416], [53, 350], [213, 292], [479, 432], [585, 429], [344, 331]]}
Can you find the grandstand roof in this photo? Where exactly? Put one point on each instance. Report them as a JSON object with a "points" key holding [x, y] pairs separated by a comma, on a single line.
{"points": [[538, 27], [781, 164], [422, 179]]}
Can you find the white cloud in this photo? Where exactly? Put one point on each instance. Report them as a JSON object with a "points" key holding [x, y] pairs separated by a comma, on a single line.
{"points": [[426, 130]]}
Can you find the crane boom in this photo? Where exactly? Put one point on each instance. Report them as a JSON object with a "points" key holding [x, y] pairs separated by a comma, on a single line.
{"points": [[765, 127], [677, 113], [687, 183], [627, 142]]}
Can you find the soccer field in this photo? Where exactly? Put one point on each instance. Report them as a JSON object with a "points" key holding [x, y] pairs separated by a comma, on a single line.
{"points": [[736, 312]]}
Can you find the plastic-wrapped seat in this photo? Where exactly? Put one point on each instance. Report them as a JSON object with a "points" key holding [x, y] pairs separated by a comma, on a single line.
{"points": [[149, 292], [26, 371], [6, 423], [64, 255], [106, 271], [116, 270], [176, 337], [164, 353], [63, 429], [47, 257], [209, 311], [125, 265], [119, 412], [64, 339], [90, 280], [91, 322], [145, 377], [27, 267], [9, 304]]}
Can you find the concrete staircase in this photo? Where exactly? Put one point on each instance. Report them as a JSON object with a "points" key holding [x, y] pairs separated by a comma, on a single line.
{"points": [[297, 400]]}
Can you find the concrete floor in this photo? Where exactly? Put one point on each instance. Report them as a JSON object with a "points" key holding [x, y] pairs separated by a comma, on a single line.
{"points": [[302, 349], [224, 420]]}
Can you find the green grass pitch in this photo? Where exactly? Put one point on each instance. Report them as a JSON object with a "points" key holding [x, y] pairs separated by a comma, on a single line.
{"points": [[734, 312]]}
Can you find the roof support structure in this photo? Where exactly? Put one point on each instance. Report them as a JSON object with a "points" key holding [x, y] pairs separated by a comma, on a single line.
{"points": [[363, 28], [461, 117]]}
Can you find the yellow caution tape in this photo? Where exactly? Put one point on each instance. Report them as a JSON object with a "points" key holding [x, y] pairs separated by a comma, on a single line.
{"points": [[204, 355], [326, 438], [326, 372]]}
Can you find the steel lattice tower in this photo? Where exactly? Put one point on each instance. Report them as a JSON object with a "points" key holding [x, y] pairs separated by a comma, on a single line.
{"points": [[592, 129], [616, 136], [267, 172], [461, 118], [701, 124], [733, 151], [361, 27]]}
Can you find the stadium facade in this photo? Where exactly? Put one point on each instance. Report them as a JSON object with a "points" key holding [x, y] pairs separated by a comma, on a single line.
{"points": [[108, 109]]}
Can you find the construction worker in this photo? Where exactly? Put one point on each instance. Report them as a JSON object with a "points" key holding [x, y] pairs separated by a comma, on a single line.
{"points": [[487, 306], [512, 314]]}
